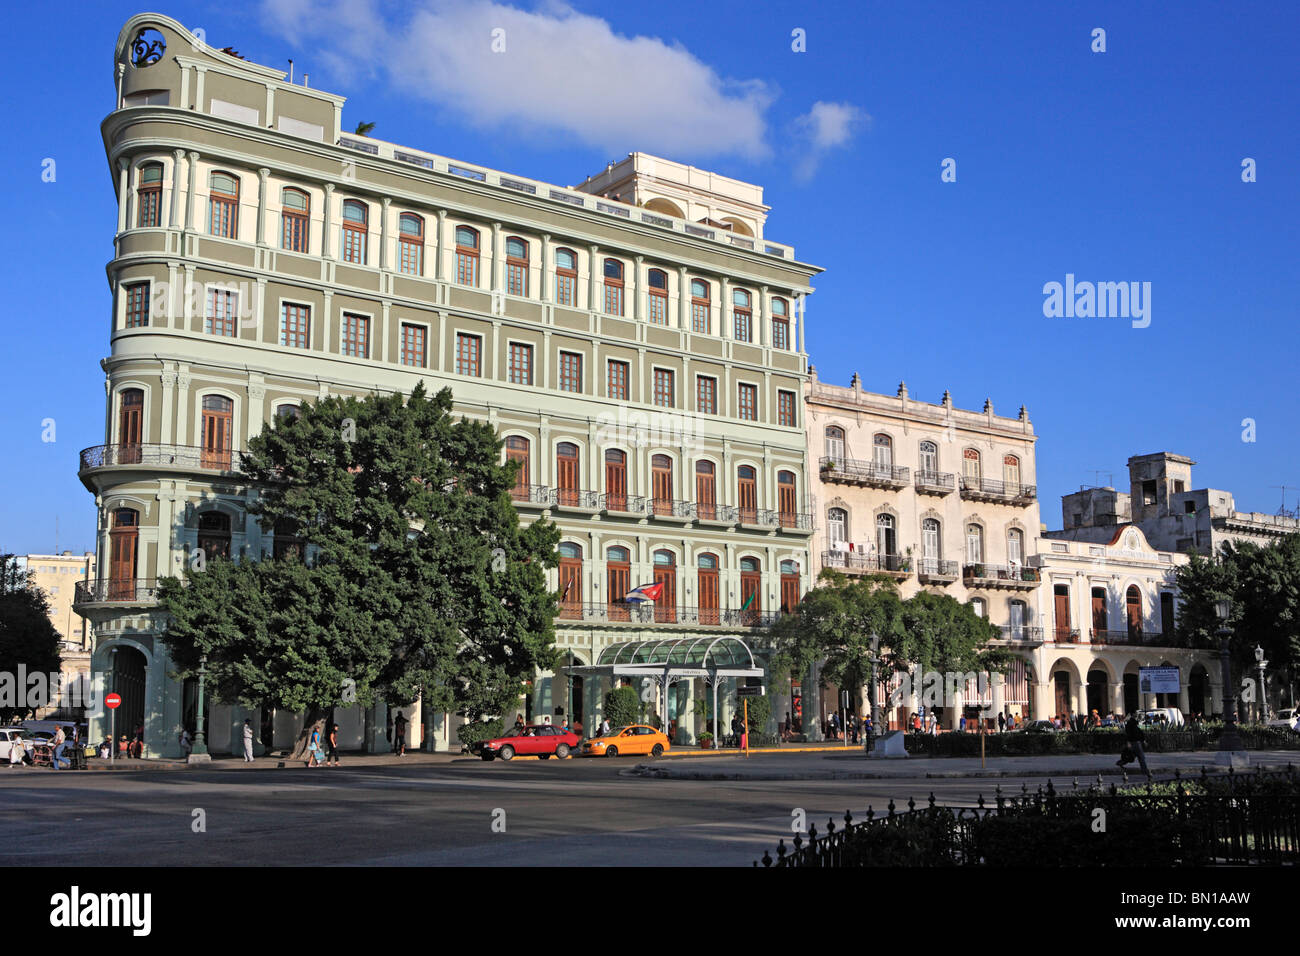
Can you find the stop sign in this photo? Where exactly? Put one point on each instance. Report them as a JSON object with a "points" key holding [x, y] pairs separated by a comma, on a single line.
{"points": [[113, 701]]}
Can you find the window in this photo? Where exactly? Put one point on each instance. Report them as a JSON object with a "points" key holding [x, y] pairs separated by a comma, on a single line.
{"points": [[785, 498], [785, 409], [214, 535], [657, 287], [699, 306], [1015, 546], [929, 458], [931, 544], [970, 467], [834, 442], [616, 384], [223, 307], [295, 217], [570, 372], [978, 607], [466, 255], [882, 452], [467, 354], [661, 484], [1133, 605], [1167, 614], [520, 369], [747, 493], [664, 387], [150, 195], [517, 451], [618, 580], [974, 544], [1011, 474], [886, 536], [748, 402], [1189, 507], [217, 431], [1148, 492], [355, 215], [137, 305], [613, 287], [288, 544], [1100, 619], [707, 588], [566, 277], [665, 573], [223, 205], [288, 412], [356, 336], [837, 528], [789, 586], [780, 325], [743, 315], [706, 490], [615, 480], [516, 266], [410, 244], [570, 580], [706, 394], [413, 339], [566, 472], [130, 426], [295, 326], [751, 601]]}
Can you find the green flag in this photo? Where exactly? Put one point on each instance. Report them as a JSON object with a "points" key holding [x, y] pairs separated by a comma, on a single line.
{"points": [[748, 601]]}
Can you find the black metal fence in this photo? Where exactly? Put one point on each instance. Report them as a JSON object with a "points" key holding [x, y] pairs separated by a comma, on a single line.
{"points": [[1214, 820]]}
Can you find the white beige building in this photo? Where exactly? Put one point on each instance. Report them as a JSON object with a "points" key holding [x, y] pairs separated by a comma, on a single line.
{"points": [[58, 576]]}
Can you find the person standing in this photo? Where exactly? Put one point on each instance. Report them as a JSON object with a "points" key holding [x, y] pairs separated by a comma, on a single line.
{"points": [[248, 740], [961, 724], [60, 742], [186, 746], [332, 741], [399, 734], [313, 748], [1002, 722], [604, 727], [1135, 738], [16, 752]]}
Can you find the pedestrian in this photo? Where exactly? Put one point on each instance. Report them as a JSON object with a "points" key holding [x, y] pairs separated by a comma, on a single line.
{"points": [[60, 742], [399, 734], [331, 755], [916, 723], [122, 747], [604, 727], [519, 720], [1134, 738], [961, 724], [1002, 722], [105, 749], [17, 752], [866, 726], [248, 740], [313, 748], [187, 745], [138, 743]]}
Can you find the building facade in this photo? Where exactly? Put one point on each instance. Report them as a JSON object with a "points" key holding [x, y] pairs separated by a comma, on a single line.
{"points": [[644, 368], [58, 576]]}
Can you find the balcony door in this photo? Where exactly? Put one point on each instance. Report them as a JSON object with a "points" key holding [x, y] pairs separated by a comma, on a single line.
{"points": [[618, 577], [930, 548], [1019, 617], [661, 474], [706, 499], [886, 538], [882, 455], [1133, 605], [517, 450], [570, 580], [1011, 474], [789, 586], [1061, 597], [123, 541], [785, 498], [1100, 622], [566, 472], [218, 425], [666, 574], [747, 493], [835, 442], [214, 535], [929, 458], [130, 426], [707, 588], [751, 602], [616, 481]]}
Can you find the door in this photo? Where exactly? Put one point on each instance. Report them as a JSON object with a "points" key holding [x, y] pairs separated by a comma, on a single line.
{"points": [[218, 421], [1062, 693], [1133, 604], [570, 580], [750, 600], [1018, 615], [214, 535], [930, 545], [789, 587], [517, 450], [785, 498], [707, 589], [1099, 622], [666, 574], [122, 539], [705, 490], [616, 482], [747, 491], [661, 471], [618, 576], [1062, 599], [130, 426], [566, 472]]}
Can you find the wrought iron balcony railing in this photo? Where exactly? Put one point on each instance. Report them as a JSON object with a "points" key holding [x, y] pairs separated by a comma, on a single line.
{"points": [[623, 503], [864, 472], [859, 562], [935, 482], [1003, 575], [191, 457], [991, 489], [933, 568], [1021, 632], [671, 508], [1065, 635], [531, 494], [620, 612], [573, 498], [125, 591], [715, 512]]}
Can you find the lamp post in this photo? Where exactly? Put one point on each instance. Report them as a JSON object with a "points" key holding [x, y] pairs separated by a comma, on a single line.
{"points": [[199, 754], [112, 713], [1263, 687], [1231, 740]]}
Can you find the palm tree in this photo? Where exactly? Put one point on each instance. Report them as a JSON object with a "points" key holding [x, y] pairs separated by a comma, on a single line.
{"points": [[363, 129]]}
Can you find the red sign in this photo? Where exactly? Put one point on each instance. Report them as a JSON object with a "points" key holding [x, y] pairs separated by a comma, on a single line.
{"points": [[113, 701]]}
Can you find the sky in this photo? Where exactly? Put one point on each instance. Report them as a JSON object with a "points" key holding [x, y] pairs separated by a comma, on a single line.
{"points": [[943, 162]]}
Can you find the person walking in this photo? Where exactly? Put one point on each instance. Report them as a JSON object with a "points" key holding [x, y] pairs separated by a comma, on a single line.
{"points": [[248, 740], [399, 734], [1135, 738], [60, 742], [313, 748], [332, 743], [187, 747], [604, 727], [17, 752], [961, 724]]}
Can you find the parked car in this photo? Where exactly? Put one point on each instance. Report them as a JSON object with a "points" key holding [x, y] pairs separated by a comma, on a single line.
{"points": [[1285, 718], [540, 740], [636, 739], [1040, 727], [1170, 717]]}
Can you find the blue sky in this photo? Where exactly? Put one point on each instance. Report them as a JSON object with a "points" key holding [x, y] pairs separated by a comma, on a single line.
{"points": [[1115, 166]]}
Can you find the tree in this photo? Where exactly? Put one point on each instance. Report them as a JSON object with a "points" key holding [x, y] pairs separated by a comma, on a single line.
{"points": [[27, 637], [418, 579], [622, 706], [364, 129]]}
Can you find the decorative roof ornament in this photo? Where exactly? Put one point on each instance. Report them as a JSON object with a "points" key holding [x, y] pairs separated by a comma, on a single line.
{"points": [[148, 47], [947, 399], [902, 390], [988, 406]]}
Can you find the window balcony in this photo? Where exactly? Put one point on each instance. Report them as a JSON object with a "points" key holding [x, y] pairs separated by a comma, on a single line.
{"points": [[1001, 492], [935, 483], [138, 591], [575, 500], [795, 522], [181, 457], [1065, 635], [538, 496], [934, 571], [1021, 633], [1012, 577], [716, 514], [671, 509], [872, 474], [1132, 638], [856, 562], [623, 504]]}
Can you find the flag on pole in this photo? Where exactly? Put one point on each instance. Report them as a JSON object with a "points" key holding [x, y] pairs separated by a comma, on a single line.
{"points": [[646, 592], [567, 585], [748, 601]]}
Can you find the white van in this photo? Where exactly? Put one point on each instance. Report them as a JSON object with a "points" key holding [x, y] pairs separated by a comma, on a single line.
{"points": [[1173, 717]]}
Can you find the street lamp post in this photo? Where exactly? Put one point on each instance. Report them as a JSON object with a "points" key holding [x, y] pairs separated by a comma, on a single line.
{"points": [[1231, 739], [1263, 687], [199, 753]]}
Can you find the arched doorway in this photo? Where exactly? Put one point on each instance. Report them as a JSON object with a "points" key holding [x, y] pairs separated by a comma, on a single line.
{"points": [[1098, 681], [1132, 696], [128, 680], [1198, 690]]}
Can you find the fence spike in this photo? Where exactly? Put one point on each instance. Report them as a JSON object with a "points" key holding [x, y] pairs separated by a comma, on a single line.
{"points": [[1100, 782], [891, 806], [781, 851], [931, 799], [1113, 789], [980, 802], [1075, 785], [1178, 773], [848, 819], [1051, 790], [830, 826], [812, 835], [798, 841], [871, 814], [911, 804]]}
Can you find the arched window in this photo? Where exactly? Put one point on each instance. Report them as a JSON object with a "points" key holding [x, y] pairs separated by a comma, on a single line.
{"points": [[517, 448], [287, 412], [410, 244], [467, 256], [743, 313], [789, 586], [566, 276], [751, 598], [1017, 618], [1011, 474], [837, 529], [786, 499], [780, 324], [355, 219], [931, 546], [123, 539], [613, 287], [214, 535], [295, 219], [661, 484], [929, 460], [974, 544], [149, 196], [747, 493], [979, 607], [970, 469], [566, 472], [882, 455], [1015, 546], [1133, 607], [570, 580], [223, 205], [657, 287], [130, 426], [700, 306], [618, 582], [835, 443], [516, 266], [218, 428], [886, 540], [706, 501], [615, 480], [665, 572]]}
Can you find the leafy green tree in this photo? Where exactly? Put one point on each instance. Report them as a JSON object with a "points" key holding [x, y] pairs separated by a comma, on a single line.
{"points": [[622, 707], [942, 634], [417, 581], [26, 635], [364, 129]]}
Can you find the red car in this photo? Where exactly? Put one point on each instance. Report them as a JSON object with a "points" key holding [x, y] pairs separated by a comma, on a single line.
{"points": [[540, 740]]}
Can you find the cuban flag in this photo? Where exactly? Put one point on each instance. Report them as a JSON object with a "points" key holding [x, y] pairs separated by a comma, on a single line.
{"points": [[646, 592]]}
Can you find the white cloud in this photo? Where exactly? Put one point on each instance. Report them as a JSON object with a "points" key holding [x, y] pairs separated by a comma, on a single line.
{"points": [[562, 72], [825, 127]]}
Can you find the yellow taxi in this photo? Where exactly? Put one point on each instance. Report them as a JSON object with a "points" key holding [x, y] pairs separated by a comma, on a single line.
{"points": [[635, 739]]}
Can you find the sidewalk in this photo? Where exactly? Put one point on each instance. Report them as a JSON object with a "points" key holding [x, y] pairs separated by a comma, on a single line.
{"points": [[228, 762]]}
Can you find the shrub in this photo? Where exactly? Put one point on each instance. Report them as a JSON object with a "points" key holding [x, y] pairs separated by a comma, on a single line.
{"points": [[622, 707], [760, 708], [478, 730]]}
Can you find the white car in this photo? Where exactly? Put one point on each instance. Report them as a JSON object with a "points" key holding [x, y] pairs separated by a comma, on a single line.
{"points": [[1173, 717], [1288, 718], [7, 736]]}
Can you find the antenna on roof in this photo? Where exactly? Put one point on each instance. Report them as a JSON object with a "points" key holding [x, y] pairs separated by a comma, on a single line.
{"points": [[1283, 511]]}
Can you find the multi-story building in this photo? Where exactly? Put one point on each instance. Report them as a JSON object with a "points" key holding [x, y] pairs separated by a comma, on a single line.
{"points": [[937, 497], [58, 575], [644, 367]]}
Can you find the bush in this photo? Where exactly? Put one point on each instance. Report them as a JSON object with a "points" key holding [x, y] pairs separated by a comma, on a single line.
{"points": [[622, 706], [760, 708], [477, 730]]}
